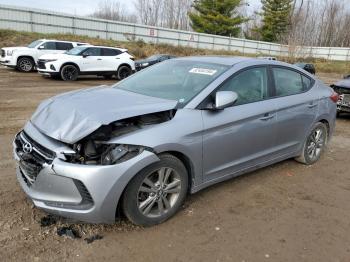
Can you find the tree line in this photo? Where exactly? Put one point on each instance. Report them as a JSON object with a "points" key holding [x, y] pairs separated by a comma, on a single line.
{"points": [[293, 22]]}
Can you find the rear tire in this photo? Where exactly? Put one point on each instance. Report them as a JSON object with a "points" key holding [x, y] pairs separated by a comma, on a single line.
{"points": [[69, 73], [123, 72], [25, 64], [314, 145], [157, 192]]}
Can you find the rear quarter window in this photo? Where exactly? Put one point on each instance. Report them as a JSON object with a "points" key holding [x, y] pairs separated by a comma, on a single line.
{"points": [[110, 52]]}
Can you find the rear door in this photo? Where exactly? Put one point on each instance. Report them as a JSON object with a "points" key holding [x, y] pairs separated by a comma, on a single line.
{"points": [[244, 135], [63, 46], [91, 60], [111, 59], [296, 106]]}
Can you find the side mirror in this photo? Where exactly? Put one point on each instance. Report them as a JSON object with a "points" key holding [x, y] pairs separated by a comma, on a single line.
{"points": [[225, 99], [85, 55], [41, 47]]}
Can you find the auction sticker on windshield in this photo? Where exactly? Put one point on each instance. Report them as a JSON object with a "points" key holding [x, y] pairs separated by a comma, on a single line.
{"points": [[203, 71]]}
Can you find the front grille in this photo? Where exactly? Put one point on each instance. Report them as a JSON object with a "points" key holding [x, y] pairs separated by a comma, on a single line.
{"points": [[3, 54], [32, 157], [41, 64]]}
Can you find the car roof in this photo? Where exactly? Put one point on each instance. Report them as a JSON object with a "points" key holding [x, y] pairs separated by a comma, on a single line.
{"points": [[64, 41], [232, 60], [223, 60], [100, 46]]}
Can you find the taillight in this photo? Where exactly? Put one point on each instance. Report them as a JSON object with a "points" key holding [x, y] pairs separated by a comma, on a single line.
{"points": [[334, 97]]}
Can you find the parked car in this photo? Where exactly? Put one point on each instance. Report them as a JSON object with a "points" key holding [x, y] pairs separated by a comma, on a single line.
{"points": [[267, 58], [342, 87], [141, 64], [88, 60], [24, 58], [177, 127], [307, 67]]}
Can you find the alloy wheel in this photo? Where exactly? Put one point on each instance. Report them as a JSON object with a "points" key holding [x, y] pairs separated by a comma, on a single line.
{"points": [[25, 65], [69, 73], [159, 192], [316, 143]]}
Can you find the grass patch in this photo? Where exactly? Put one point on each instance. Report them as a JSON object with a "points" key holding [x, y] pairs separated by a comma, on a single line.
{"points": [[141, 49]]}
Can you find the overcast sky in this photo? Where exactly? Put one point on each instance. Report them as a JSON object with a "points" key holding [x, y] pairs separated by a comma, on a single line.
{"points": [[80, 7]]}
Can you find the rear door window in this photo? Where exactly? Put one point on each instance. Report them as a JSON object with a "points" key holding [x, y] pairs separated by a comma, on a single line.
{"points": [[110, 52], [64, 46], [287, 82], [307, 83]]}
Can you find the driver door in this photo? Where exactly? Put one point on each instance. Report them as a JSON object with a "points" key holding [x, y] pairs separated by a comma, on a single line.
{"points": [[244, 135]]}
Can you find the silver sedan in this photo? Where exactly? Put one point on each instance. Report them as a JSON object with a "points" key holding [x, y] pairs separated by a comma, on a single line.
{"points": [[142, 145]]}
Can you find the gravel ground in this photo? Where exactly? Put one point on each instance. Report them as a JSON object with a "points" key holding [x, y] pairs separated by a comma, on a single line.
{"points": [[286, 212]]}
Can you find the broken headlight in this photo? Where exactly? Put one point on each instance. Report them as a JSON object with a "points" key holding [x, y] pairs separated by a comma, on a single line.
{"points": [[120, 153], [97, 153]]}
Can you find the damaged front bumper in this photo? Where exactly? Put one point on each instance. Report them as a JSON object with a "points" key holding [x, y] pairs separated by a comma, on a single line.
{"points": [[87, 193]]}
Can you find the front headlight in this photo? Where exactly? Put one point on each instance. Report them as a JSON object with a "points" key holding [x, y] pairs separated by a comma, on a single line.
{"points": [[145, 64], [50, 60], [10, 52]]}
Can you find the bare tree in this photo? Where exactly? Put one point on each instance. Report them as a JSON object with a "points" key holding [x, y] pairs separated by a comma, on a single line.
{"points": [[165, 13], [113, 10]]}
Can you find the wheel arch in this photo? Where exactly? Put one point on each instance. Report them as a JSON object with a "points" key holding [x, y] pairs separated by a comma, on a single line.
{"points": [[70, 63], [25, 56], [124, 64], [181, 156]]}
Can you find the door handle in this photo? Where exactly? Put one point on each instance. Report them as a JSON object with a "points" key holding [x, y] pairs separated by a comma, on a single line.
{"points": [[311, 105], [99, 58], [267, 116]]}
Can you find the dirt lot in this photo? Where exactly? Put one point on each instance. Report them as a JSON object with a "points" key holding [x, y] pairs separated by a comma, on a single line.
{"points": [[287, 212]]}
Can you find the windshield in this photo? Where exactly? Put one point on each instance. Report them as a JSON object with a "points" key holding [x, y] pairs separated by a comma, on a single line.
{"points": [[34, 44], [76, 50], [174, 79]]}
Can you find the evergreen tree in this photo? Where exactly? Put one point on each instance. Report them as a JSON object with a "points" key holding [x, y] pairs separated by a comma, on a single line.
{"points": [[276, 19], [219, 17]]}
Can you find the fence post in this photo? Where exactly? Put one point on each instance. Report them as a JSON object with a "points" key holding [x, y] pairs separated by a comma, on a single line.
{"points": [[243, 46], [73, 26], [106, 30], [229, 43], [31, 21]]}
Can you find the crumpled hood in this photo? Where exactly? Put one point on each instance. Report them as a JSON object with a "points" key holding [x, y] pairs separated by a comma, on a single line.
{"points": [[343, 83], [74, 115]]}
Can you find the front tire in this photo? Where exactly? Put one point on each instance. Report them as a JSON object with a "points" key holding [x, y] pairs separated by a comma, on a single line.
{"points": [[157, 192], [123, 72], [25, 64], [69, 73], [314, 145]]}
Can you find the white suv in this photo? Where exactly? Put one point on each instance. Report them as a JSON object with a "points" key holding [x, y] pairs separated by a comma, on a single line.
{"points": [[23, 58], [88, 60]]}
